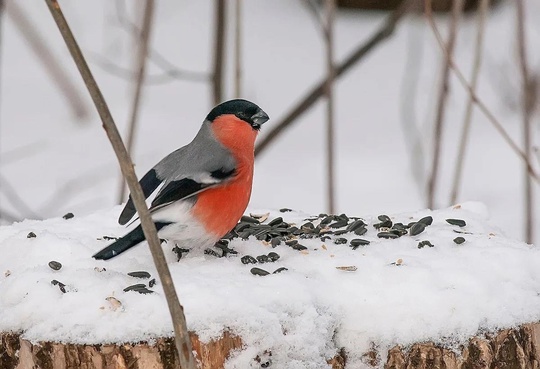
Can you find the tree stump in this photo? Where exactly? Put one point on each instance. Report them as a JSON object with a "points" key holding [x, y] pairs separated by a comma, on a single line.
{"points": [[517, 348]]}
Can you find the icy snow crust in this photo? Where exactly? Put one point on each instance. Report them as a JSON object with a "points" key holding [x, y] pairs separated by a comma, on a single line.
{"points": [[302, 315]]}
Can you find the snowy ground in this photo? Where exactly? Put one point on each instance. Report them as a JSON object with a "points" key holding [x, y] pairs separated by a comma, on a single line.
{"points": [[399, 293], [57, 164]]}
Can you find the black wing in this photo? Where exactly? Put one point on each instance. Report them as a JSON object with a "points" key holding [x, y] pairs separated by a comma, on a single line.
{"points": [[149, 183], [186, 187]]}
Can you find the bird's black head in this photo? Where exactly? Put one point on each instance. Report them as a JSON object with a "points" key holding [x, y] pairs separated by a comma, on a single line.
{"points": [[242, 109]]}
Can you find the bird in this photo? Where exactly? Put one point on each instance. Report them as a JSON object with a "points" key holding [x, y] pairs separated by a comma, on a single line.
{"points": [[202, 189]]}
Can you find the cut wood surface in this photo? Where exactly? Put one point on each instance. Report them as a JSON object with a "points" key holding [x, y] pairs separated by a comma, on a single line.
{"points": [[517, 348]]}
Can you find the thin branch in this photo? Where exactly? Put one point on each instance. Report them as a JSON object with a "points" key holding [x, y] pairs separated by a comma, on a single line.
{"points": [[39, 47], [414, 136], [16, 201], [182, 341], [141, 71], [483, 7], [238, 50], [312, 96], [479, 103], [168, 75], [526, 111], [329, 91], [457, 9], [219, 51], [316, 14]]}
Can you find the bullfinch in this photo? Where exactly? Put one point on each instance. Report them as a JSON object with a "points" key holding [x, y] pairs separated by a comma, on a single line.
{"points": [[202, 189]]}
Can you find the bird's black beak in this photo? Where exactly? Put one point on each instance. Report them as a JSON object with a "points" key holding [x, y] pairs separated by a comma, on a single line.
{"points": [[258, 119]]}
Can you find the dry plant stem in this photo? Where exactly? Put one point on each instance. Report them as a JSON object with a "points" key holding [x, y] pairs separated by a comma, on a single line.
{"points": [[219, 50], [478, 102], [312, 96], [483, 7], [39, 47], [238, 50], [182, 341], [143, 43], [527, 147], [329, 41], [457, 8]]}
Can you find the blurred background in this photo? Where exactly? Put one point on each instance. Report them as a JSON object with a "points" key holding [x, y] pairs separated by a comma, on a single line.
{"points": [[370, 101]]}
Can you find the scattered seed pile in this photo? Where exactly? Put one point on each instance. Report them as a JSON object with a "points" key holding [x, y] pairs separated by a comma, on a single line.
{"points": [[327, 228]]}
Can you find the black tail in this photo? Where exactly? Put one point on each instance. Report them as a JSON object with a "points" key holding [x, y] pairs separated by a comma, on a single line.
{"points": [[131, 239]]}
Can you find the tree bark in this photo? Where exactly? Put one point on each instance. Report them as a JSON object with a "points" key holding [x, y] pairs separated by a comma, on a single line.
{"points": [[517, 348]]}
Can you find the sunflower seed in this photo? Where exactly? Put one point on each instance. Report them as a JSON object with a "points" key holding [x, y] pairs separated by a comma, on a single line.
{"points": [[152, 283], [387, 235], [340, 241], [340, 232], [260, 217], [349, 268], [276, 241], [285, 210], [275, 221], [273, 256], [299, 247], [247, 219], [279, 270], [339, 224], [144, 291], [307, 226], [359, 242], [385, 222], [425, 243], [68, 216], [324, 238], [457, 222], [55, 265], [360, 231], [327, 220], [60, 285], [248, 259], [355, 225], [426, 220], [417, 228], [459, 240], [179, 252], [31, 235], [115, 303], [135, 287], [139, 274], [259, 271], [263, 259]]}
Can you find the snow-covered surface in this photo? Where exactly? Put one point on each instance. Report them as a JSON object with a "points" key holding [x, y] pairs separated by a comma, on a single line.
{"points": [[59, 164], [448, 292]]}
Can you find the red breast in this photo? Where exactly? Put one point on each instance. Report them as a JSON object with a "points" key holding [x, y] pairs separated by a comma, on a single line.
{"points": [[220, 208]]}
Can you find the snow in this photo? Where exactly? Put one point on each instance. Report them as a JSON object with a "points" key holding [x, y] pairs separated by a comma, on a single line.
{"points": [[445, 293], [40, 140]]}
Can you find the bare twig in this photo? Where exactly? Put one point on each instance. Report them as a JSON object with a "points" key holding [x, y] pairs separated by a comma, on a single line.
{"points": [[483, 7], [408, 96], [329, 41], [318, 17], [38, 45], [16, 200], [182, 341], [312, 96], [219, 51], [238, 50], [479, 103], [141, 71], [168, 75], [526, 111], [457, 8]]}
